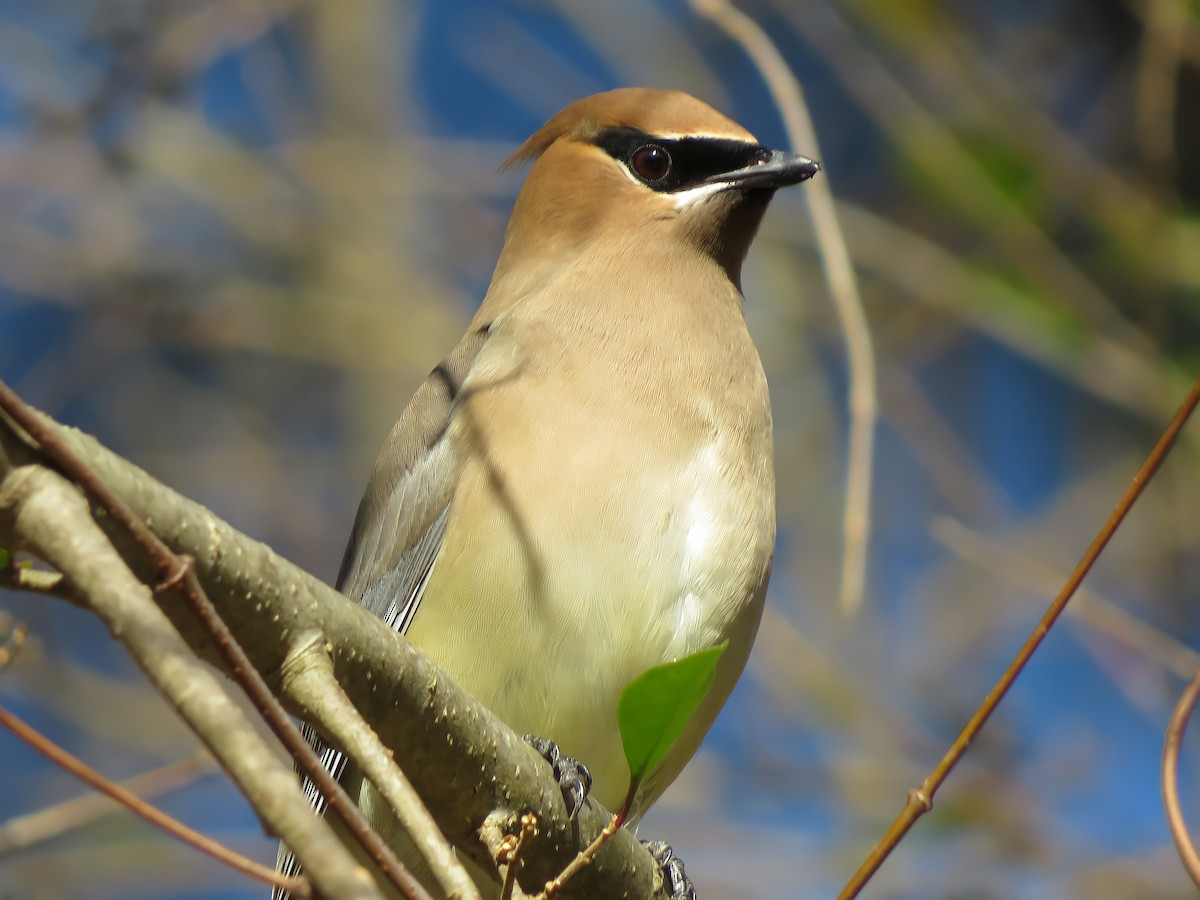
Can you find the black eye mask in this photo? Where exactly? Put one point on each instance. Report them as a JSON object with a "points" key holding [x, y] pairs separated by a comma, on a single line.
{"points": [[676, 164]]}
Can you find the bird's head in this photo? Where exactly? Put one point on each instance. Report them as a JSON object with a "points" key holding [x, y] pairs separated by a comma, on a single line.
{"points": [[639, 170]]}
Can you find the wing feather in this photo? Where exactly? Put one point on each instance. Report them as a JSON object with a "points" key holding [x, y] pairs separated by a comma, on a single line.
{"points": [[399, 528]]}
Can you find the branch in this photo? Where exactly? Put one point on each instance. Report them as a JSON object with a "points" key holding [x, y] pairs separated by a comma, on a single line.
{"points": [[326, 702], [284, 618], [44, 514], [920, 800]]}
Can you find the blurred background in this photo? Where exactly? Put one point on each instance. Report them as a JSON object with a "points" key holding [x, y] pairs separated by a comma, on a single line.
{"points": [[235, 235]]}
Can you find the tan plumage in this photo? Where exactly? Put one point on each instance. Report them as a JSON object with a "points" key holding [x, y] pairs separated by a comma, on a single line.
{"points": [[584, 488]]}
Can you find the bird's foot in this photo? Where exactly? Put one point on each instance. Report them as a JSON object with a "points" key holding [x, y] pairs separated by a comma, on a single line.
{"points": [[574, 779], [678, 885]]}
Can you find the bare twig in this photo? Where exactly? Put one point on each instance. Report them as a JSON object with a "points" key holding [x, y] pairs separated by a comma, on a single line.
{"points": [[510, 857], [139, 807], [843, 287], [46, 515], [920, 800], [585, 857], [1170, 779], [313, 683], [53, 821]]}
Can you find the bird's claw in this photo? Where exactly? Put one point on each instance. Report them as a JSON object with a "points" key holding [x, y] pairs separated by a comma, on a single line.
{"points": [[574, 779], [675, 880]]}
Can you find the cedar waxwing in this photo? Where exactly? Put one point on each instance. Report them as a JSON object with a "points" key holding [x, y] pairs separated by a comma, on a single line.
{"points": [[584, 488]]}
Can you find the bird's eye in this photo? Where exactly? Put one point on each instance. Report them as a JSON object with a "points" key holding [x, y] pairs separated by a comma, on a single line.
{"points": [[651, 162]]}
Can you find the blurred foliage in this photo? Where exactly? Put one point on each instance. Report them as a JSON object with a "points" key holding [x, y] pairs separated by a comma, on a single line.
{"points": [[234, 236]]}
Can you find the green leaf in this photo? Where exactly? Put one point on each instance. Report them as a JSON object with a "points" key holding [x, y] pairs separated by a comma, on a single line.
{"points": [[657, 705], [5, 558]]}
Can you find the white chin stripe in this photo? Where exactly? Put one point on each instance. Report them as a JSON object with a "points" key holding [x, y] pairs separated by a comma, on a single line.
{"points": [[681, 199], [684, 199]]}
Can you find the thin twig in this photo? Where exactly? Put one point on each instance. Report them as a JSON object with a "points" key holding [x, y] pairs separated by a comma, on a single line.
{"points": [[920, 800], [147, 811], [177, 573], [324, 700], [513, 851], [49, 822], [42, 512], [1170, 779], [584, 858], [843, 288], [588, 853]]}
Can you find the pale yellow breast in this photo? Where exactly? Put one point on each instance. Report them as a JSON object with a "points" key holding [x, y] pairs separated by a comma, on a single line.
{"points": [[587, 545]]}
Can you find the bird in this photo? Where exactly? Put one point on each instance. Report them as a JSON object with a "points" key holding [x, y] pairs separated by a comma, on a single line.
{"points": [[584, 487]]}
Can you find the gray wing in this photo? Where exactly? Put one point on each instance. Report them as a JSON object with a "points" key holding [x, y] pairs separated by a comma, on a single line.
{"points": [[399, 528]]}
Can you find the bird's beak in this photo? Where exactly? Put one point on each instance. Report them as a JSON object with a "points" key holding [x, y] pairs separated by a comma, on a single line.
{"points": [[776, 169]]}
